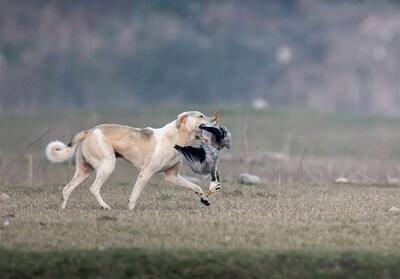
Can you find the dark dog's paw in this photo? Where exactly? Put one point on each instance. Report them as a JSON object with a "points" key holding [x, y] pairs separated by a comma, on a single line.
{"points": [[205, 202]]}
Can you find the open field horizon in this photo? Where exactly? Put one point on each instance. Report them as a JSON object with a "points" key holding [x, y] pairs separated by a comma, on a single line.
{"points": [[289, 145]]}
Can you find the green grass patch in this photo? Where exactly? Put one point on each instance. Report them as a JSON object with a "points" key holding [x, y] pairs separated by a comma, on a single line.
{"points": [[138, 263]]}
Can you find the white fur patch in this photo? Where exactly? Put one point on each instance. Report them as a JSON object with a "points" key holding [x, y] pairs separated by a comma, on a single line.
{"points": [[100, 141], [55, 152]]}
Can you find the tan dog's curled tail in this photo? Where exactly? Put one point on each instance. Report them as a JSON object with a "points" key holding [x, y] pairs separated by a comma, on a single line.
{"points": [[57, 151]]}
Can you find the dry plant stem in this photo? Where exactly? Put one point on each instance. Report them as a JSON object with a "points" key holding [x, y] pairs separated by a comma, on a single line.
{"points": [[247, 159], [23, 152], [278, 199], [363, 174], [302, 172], [36, 140], [29, 158], [2, 169]]}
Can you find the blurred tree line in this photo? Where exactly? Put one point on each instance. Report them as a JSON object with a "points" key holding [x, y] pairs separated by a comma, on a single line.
{"points": [[336, 55]]}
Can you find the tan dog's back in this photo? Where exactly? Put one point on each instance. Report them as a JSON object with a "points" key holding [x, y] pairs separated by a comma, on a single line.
{"points": [[133, 144]]}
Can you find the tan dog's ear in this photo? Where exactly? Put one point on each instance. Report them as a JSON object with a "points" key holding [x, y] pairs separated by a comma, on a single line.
{"points": [[181, 119]]}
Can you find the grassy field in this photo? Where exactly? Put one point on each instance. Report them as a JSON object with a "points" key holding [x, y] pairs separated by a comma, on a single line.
{"points": [[137, 263], [298, 221]]}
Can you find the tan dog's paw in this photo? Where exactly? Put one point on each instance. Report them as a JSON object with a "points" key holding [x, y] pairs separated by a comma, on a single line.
{"points": [[205, 202], [105, 206]]}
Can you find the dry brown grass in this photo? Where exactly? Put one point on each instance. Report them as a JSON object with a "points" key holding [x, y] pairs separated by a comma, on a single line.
{"points": [[298, 207], [339, 218]]}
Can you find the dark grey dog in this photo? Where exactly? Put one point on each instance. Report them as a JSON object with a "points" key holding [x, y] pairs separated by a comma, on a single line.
{"points": [[204, 159]]}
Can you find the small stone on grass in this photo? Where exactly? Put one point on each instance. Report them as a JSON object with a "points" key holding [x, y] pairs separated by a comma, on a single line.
{"points": [[394, 209], [4, 196], [247, 178], [342, 180]]}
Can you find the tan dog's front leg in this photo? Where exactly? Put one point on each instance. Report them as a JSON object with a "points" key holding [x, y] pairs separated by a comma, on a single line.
{"points": [[173, 176], [141, 181]]}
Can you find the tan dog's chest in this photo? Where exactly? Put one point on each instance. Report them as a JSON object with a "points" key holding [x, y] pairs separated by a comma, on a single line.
{"points": [[164, 156], [167, 160]]}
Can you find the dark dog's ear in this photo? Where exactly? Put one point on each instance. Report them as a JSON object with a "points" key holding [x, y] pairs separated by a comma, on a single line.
{"points": [[181, 119], [217, 117]]}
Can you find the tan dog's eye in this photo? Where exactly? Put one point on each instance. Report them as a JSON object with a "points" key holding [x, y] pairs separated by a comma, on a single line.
{"points": [[201, 116]]}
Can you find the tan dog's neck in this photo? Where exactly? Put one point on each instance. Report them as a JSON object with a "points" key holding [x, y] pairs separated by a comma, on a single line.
{"points": [[180, 136]]}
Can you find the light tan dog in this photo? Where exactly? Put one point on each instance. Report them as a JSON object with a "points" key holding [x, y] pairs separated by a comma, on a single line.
{"points": [[150, 150]]}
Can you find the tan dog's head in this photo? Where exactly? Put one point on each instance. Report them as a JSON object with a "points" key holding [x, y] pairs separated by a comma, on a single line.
{"points": [[191, 120]]}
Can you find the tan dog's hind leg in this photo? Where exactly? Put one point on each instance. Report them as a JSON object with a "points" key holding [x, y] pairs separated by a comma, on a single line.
{"points": [[83, 171], [102, 173], [141, 181], [101, 156]]}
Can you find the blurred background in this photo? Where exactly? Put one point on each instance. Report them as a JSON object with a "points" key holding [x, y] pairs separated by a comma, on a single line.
{"points": [[329, 55], [309, 88]]}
